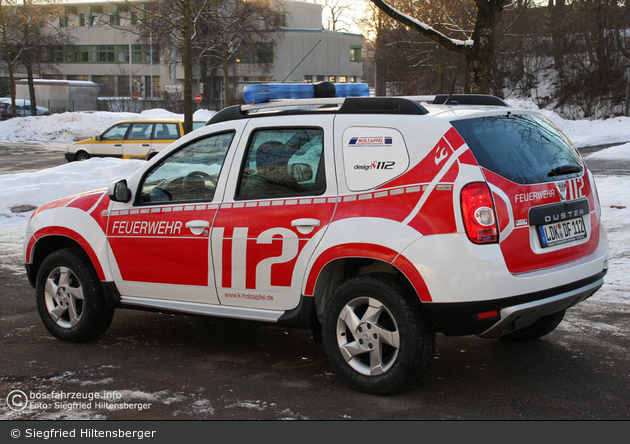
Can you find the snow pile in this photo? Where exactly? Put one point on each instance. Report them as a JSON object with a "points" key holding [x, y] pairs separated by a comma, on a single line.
{"points": [[584, 133], [66, 128]]}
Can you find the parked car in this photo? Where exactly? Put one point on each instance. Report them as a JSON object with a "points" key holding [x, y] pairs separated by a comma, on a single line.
{"points": [[377, 222], [140, 139], [23, 108]]}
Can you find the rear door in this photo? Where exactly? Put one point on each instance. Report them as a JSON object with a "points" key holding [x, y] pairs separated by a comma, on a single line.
{"points": [[164, 134], [137, 143], [277, 205]]}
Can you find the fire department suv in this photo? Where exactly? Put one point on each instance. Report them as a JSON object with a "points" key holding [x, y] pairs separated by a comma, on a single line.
{"points": [[376, 222]]}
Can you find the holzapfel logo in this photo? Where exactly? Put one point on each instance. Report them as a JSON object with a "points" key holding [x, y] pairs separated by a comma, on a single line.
{"points": [[370, 141]]}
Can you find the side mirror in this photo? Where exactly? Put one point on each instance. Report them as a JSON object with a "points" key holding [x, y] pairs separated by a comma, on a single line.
{"points": [[119, 192], [98, 138]]}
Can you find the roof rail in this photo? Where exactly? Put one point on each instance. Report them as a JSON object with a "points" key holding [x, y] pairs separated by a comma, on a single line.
{"points": [[381, 105], [469, 99], [339, 105]]}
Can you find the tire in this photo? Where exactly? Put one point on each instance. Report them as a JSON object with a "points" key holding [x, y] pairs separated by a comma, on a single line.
{"points": [[70, 297], [81, 156], [538, 329], [376, 334]]}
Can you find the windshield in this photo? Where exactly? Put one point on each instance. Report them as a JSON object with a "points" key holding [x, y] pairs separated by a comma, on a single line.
{"points": [[523, 148]]}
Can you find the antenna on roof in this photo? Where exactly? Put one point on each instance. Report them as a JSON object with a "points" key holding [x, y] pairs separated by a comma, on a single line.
{"points": [[450, 100], [285, 79]]}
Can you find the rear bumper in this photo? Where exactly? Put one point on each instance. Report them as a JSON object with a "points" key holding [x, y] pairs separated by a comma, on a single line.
{"points": [[513, 313]]}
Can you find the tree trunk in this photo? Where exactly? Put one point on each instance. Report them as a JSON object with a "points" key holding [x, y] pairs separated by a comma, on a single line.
{"points": [[188, 69], [480, 56], [31, 88], [479, 53], [226, 82]]}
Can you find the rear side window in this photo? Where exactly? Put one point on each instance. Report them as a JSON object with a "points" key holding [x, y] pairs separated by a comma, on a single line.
{"points": [[523, 148], [166, 131]]}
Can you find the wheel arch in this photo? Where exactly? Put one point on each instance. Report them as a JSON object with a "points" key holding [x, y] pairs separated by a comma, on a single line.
{"points": [[338, 270], [43, 246]]}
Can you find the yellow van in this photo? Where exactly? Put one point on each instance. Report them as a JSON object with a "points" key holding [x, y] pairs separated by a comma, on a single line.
{"points": [[133, 139]]}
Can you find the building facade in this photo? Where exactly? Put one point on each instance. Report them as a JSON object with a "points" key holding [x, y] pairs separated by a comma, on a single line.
{"points": [[122, 65]]}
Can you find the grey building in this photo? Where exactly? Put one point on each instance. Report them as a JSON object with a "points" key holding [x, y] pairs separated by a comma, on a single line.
{"points": [[121, 65]]}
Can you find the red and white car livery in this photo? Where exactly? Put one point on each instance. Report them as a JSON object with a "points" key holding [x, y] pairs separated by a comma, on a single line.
{"points": [[376, 222]]}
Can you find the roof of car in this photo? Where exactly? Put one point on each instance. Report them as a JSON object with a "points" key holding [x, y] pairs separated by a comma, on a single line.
{"points": [[407, 105]]}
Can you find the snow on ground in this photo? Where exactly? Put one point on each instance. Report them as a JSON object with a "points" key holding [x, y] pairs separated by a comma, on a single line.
{"points": [[23, 191], [66, 128]]}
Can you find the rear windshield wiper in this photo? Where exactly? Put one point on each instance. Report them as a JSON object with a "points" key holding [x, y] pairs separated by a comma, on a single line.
{"points": [[565, 169]]}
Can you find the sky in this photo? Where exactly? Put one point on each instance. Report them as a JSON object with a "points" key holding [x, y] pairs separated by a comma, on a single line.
{"points": [[30, 189]]}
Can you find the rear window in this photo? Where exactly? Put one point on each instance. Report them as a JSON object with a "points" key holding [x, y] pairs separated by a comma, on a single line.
{"points": [[523, 148]]}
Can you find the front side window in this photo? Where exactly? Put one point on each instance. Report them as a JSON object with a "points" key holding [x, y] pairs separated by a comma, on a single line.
{"points": [[523, 148], [283, 162], [188, 175], [116, 132]]}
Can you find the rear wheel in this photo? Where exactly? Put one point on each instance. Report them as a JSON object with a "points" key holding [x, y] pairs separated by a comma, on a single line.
{"points": [[376, 334], [538, 329], [70, 297]]}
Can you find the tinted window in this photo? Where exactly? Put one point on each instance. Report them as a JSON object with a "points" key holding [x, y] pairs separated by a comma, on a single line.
{"points": [[523, 148], [283, 162], [190, 174]]}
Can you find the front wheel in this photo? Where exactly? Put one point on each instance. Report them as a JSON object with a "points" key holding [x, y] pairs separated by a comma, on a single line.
{"points": [[81, 156], [70, 297], [376, 334]]}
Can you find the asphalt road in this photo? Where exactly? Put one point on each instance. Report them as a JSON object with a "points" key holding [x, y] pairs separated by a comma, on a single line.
{"points": [[174, 367]]}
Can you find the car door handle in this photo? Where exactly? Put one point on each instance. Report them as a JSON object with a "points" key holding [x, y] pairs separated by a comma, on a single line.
{"points": [[118, 144], [197, 226], [306, 225], [146, 144]]}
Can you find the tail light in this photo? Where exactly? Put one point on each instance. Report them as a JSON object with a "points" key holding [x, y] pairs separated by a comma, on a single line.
{"points": [[479, 214]]}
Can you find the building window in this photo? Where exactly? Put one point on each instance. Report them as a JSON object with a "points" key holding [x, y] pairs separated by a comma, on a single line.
{"points": [[332, 79], [123, 53], [280, 20], [149, 86], [57, 54], [321, 78], [63, 21], [106, 84], [137, 53], [257, 79], [134, 18], [343, 79], [353, 79], [355, 54], [77, 77], [81, 19], [81, 54], [103, 53], [259, 53], [308, 79]]}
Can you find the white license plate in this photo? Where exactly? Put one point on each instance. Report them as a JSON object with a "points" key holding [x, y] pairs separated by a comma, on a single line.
{"points": [[562, 232]]}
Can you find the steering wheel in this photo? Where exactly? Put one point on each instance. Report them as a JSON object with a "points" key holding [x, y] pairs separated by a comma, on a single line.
{"points": [[194, 185]]}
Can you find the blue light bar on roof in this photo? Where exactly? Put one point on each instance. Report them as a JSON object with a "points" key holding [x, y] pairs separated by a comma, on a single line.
{"points": [[267, 92]]}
